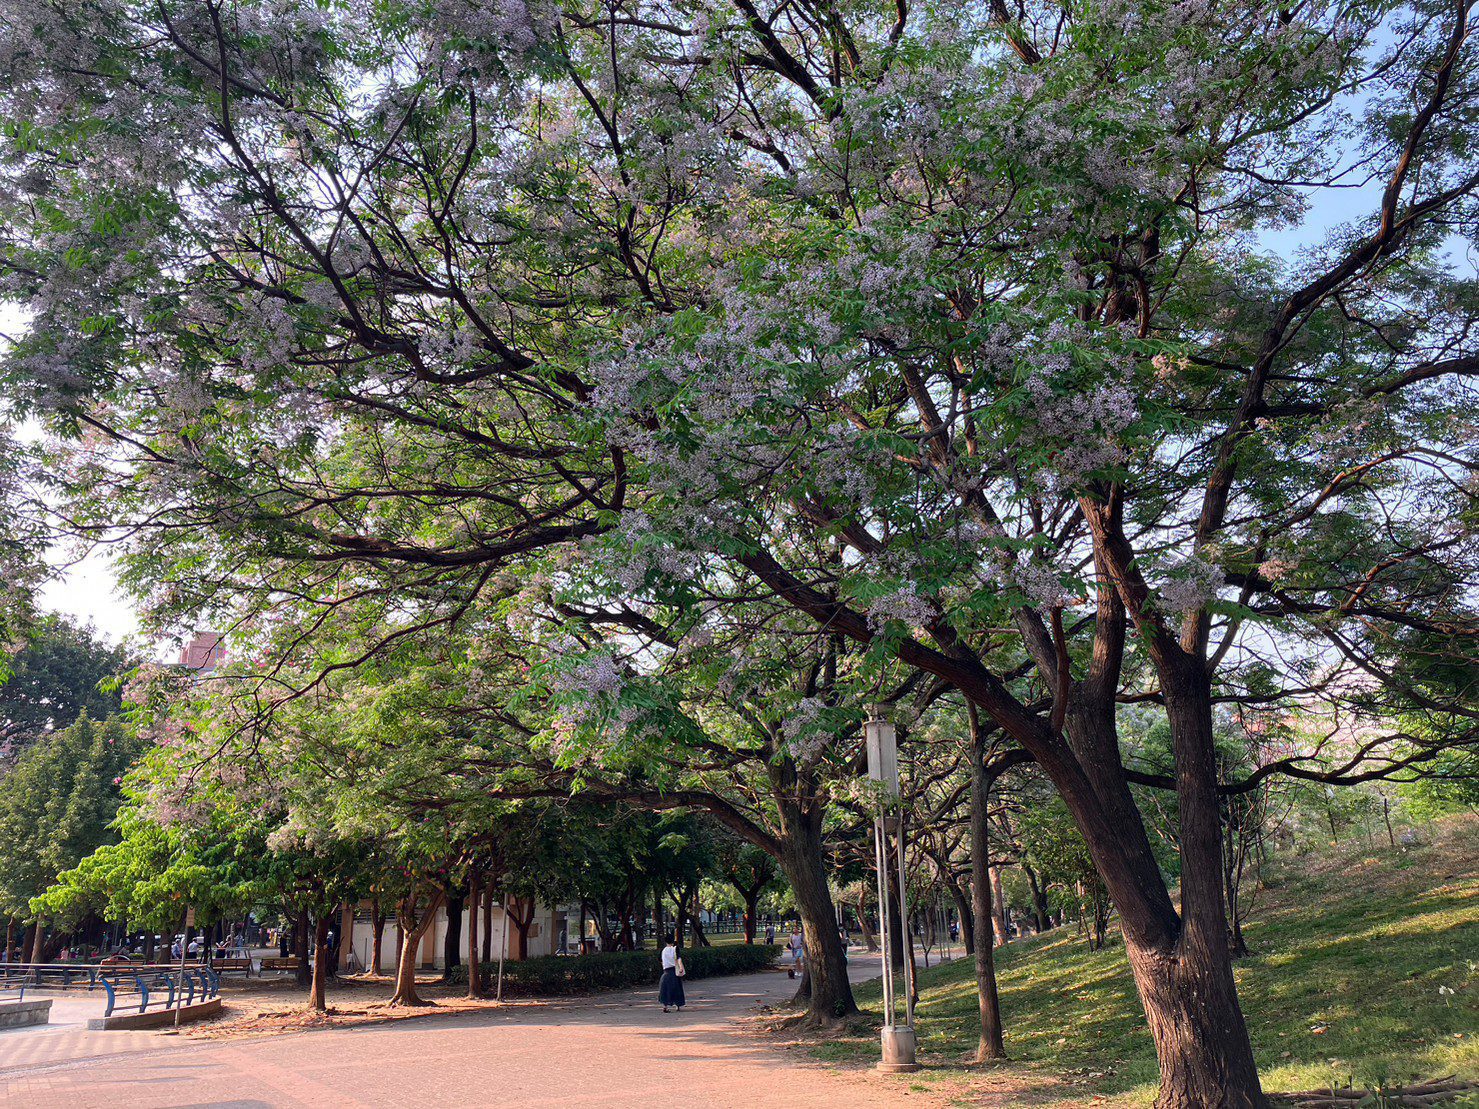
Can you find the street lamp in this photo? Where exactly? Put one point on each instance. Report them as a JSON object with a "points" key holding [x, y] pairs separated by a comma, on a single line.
{"points": [[883, 769]]}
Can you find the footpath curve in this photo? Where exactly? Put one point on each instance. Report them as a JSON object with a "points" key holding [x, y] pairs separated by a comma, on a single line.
{"points": [[609, 1050]]}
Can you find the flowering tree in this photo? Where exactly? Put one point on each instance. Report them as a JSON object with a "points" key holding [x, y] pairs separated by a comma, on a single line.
{"points": [[947, 328]]}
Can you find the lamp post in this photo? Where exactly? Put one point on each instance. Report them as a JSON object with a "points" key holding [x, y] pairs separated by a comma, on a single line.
{"points": [[883, 768]]}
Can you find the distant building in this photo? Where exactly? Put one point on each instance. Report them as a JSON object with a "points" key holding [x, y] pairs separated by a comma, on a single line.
{"points": [[549, 934], [204, 653]]}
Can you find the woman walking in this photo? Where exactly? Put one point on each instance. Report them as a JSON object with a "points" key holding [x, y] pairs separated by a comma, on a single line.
{"points": [[670, 989], [796, 945]]}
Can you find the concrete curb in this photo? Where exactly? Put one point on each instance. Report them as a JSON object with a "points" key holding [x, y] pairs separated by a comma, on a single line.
{"points": [[157, 1018], [20, 1014]]}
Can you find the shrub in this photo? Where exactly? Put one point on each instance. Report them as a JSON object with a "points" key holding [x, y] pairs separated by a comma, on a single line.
{"points": [[616, 970]]}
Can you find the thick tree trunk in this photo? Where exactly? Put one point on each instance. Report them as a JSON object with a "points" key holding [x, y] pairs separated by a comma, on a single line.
{"points": [[452, 941], [412, 921], [752, 899], [695, 917], [603, 927], [303, 975], [405, 969], [1190, 996], [1181, 962], [316, 994], [830, 995], [680, 919], [488, 923], [519, 911], [377, 937], [991, 1045], [38, 942], [474, 967]]}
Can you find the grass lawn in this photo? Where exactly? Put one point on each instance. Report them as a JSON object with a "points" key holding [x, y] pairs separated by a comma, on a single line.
{"points": [[1353, 954]]}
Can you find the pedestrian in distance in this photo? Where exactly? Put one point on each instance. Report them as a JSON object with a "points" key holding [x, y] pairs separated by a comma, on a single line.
{"points": [[796, 945], [670, 988]]}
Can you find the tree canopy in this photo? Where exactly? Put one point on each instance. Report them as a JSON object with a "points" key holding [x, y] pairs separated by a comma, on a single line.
{"points": [[940, 345]]}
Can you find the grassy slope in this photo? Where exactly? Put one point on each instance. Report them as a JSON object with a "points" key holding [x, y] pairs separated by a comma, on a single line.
{"points": [[1356, 943]]}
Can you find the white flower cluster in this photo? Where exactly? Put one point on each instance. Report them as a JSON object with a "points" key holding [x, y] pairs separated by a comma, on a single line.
{"points": [[904, 604], [1190, 584], [805, 731]]}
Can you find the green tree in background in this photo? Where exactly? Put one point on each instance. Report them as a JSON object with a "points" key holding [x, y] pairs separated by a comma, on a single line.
{"points": [[56, 806], [61, 672]]}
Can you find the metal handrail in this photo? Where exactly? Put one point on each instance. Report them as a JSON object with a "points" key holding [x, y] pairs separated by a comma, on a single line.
{"points": [[200, 982]]}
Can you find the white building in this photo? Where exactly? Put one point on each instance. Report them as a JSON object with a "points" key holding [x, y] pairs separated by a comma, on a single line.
{"points": [[551, 932]]}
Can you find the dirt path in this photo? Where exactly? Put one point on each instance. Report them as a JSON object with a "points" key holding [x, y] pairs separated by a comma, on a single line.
{"points": [[611, 1050]]}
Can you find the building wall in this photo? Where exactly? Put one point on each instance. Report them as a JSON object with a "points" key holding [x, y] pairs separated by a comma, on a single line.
{"points": [[544, 936]]}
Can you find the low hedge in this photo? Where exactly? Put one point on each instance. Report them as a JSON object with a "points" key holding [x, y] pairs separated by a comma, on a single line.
{"points": [[616, 970]]}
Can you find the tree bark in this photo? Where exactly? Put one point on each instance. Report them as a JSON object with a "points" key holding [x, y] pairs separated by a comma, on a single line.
{"points": [[870, 938], [303, 975], [488, 923], [316, 993], [520, 911], [412, 919], [752, 899], [695, 919], [829, 995], [377, 936], [452, 941], [1041, 920], [680, 919], [1181, 961], [991, 1044], [998, 908], [474, 966], [1190, 996], [966, 913], [38, 942]]}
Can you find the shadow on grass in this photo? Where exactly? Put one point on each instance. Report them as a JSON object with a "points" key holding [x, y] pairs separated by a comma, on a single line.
{"points": [[1365, 967]]}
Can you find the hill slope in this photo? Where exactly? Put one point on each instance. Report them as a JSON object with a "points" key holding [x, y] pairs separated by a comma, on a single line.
{"points": [[1353, 957]]}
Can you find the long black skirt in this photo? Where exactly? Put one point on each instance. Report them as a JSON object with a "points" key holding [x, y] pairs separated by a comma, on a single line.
{"points": [[670, 989]]}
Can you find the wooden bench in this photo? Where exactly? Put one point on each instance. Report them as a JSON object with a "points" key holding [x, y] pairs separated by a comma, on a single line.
{"points": [[228, 966], [277, 962]]}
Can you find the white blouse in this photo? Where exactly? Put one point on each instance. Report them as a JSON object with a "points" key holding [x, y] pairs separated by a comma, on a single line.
{"points": [[669, 957]]}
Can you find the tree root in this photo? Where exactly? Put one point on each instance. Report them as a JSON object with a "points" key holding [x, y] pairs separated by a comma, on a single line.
{"points": [[1433, 1092]]}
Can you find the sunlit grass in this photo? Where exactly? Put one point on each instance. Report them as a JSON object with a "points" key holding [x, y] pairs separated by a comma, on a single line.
{"points": [[1364, 967]]}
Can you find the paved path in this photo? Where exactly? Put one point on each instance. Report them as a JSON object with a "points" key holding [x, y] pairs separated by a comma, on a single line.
{"points": [[612, 1050], [66, 1036]]}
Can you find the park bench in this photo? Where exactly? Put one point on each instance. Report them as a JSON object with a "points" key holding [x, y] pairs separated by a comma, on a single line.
{"points": [[278, 962], [232, 966]]}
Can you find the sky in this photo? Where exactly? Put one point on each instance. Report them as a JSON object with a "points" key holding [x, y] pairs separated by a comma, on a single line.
{"points": [[88, 592]]}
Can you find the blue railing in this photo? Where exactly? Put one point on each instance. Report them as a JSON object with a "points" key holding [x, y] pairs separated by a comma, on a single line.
{"points": [[147, 984], [121, 982]]}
